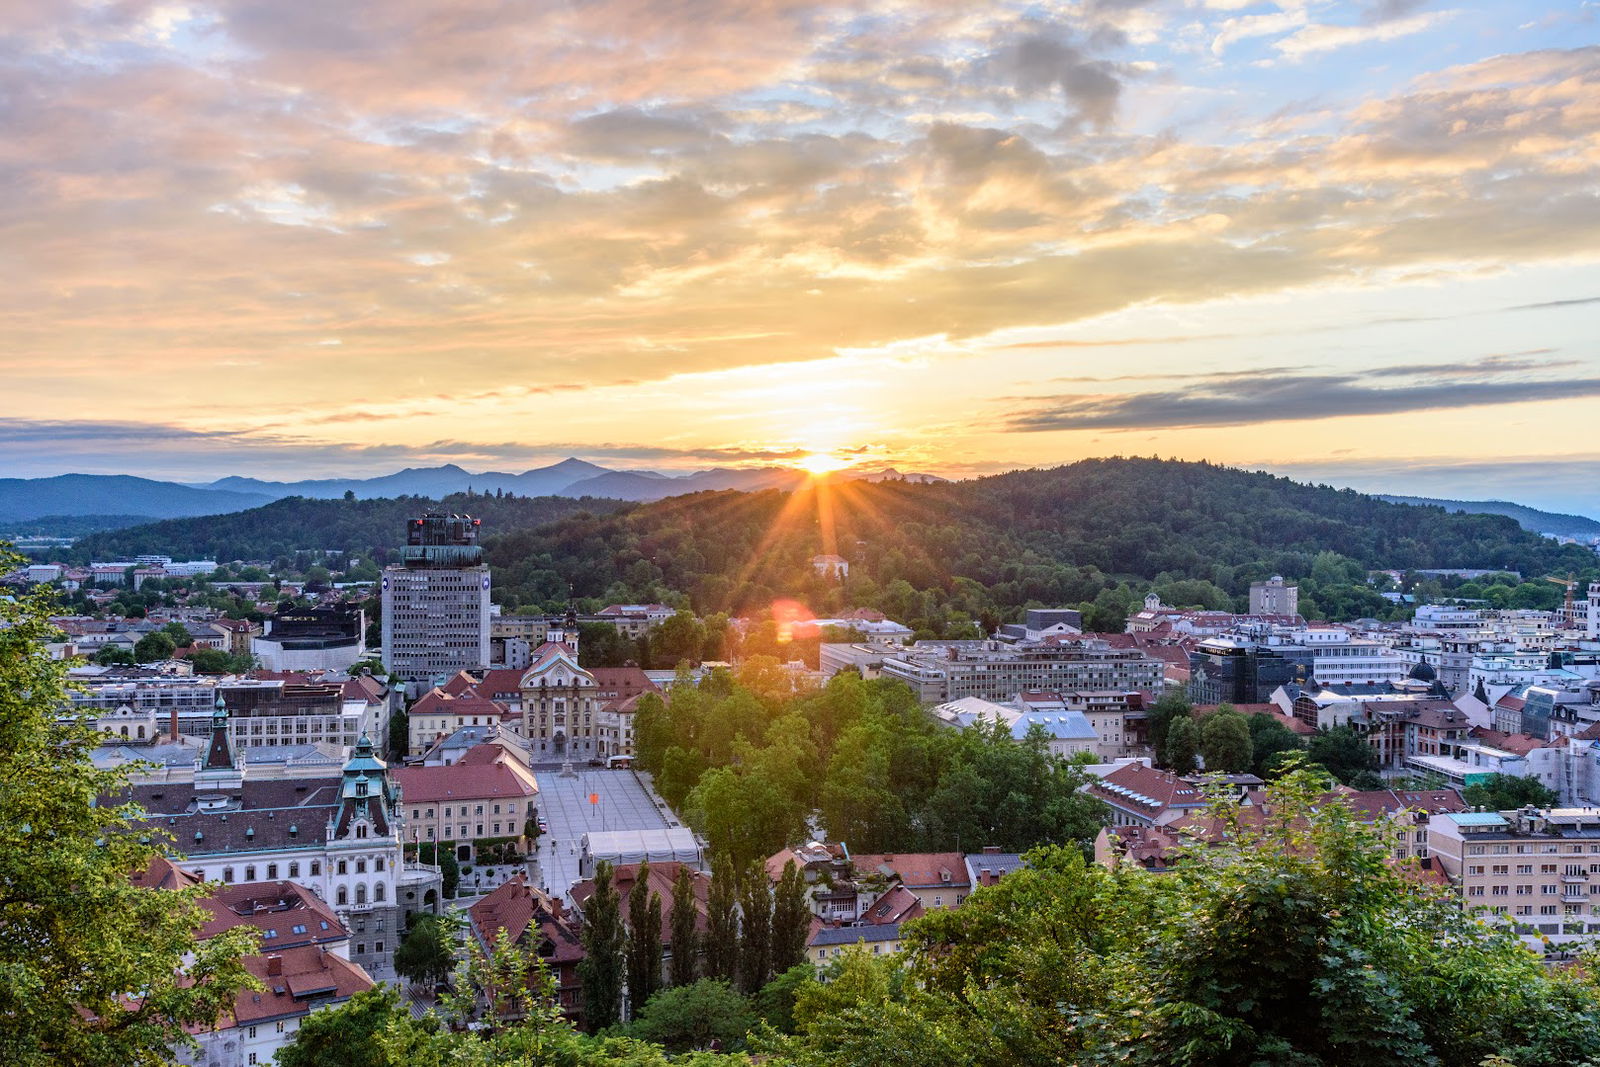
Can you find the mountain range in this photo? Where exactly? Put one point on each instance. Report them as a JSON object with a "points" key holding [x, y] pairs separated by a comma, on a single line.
{"points": [[130, 499]]}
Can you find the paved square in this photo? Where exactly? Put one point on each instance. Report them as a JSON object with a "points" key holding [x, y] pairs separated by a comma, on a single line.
{"points": [[624, 804]]}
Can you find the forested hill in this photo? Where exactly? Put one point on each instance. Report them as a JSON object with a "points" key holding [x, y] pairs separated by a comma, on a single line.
{"points": [[372, 528], [1097, 532]]}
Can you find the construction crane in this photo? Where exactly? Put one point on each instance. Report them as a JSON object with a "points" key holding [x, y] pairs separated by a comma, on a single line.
{"points": [[1571, 583]]}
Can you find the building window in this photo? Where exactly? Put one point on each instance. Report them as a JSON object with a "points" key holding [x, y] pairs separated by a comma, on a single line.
{"points": [[316, 868], [342, 897], [294, 869], [227, 874], [250, 873], [272, 872]]}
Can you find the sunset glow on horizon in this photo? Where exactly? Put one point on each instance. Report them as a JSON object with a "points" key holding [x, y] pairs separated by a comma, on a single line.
{"points": [[1354, 242]]}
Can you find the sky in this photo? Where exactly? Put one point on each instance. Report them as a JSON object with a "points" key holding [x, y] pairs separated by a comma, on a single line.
{"points": [[1349, 242]]}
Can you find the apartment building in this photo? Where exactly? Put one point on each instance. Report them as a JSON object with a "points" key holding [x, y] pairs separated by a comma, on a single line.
{"points": [[1537, 869], [942, 671]]}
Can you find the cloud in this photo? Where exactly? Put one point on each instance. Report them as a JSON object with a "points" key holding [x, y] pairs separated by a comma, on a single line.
{"points": [[1324, 38], [510, 209], [1237, 400]]}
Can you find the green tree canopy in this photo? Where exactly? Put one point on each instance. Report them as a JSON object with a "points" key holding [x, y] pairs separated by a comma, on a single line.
{"points": [[693, 1016], [685, 933], [1225, 742], [345, 1035], [1344, 753], [154, 646], [605, 941], [1502, 792], [644, 939], [93, 970], [427, 955]]}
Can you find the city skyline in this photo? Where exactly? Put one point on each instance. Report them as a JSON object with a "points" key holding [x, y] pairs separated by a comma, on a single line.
{"points": [[1351, 243]]}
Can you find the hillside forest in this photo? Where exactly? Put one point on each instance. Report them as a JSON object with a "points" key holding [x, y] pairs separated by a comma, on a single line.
{"points": [[944, 558]]}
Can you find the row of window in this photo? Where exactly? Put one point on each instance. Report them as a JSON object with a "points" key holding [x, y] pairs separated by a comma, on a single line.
{"points": [[478, 810], [1523, 850], [342, 894], [315, 871]]}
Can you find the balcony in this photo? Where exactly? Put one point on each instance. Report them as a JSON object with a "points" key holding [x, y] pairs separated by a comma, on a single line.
{"points": [[1571, 879], [1571, 897]]}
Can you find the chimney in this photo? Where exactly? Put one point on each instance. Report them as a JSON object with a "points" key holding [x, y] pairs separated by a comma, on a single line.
{"points": [[991, 850], [274, 966], [174, 724]]}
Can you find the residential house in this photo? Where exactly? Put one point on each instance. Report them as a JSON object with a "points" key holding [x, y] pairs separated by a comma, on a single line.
{"points": [[539, 924]]}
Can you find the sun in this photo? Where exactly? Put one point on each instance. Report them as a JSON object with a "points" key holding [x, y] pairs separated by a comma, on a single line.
{"points": [[822, 463]]}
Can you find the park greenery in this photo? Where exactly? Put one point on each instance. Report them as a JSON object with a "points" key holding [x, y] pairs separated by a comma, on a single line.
{"points": [[93, 968], [748, 763], [1227, 741]]}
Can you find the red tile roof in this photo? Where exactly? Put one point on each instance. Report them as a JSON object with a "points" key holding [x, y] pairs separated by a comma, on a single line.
{"points": [[516, 907], [897, 905], [461, 781], [164, 874], [276, 909], [919, 870], [1136, 787], [1520, 744], [303, 975], [662, 876]]}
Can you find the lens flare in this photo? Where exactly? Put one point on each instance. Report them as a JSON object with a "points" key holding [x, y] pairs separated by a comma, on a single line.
{"points": [[822, 463]]}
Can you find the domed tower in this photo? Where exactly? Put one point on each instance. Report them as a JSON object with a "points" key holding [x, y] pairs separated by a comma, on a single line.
{"points": [[368, 799]]}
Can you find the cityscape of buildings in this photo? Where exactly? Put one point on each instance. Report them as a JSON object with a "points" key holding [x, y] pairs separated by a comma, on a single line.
{"points": [[270, 782]]}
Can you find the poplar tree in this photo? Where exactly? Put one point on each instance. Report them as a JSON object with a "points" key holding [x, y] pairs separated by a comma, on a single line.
{"points": [[722, 922], [604, 945], [685, 929], [755, 945], [644, 940], [791, 920]]}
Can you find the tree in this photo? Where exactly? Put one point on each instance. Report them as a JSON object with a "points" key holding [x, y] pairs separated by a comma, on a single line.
{"points": [[755, 944], [1183, 744], [1225, 741], [346, 1035], [1503, 792], [685, 933], [114, 655], [644, 939], [96, 969], [1162, 714], [693, 1016], [210, 661], [1343, 752], [154, 646], [427, 955], [181, 637], [399, 734], [775, 1002], [1286, 936], [791, 919], [678, 639], [722, 921], [1269, 738], [604, 946]]}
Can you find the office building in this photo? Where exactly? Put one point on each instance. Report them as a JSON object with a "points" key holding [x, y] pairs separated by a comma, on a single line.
{"points": [[436, 602]]}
